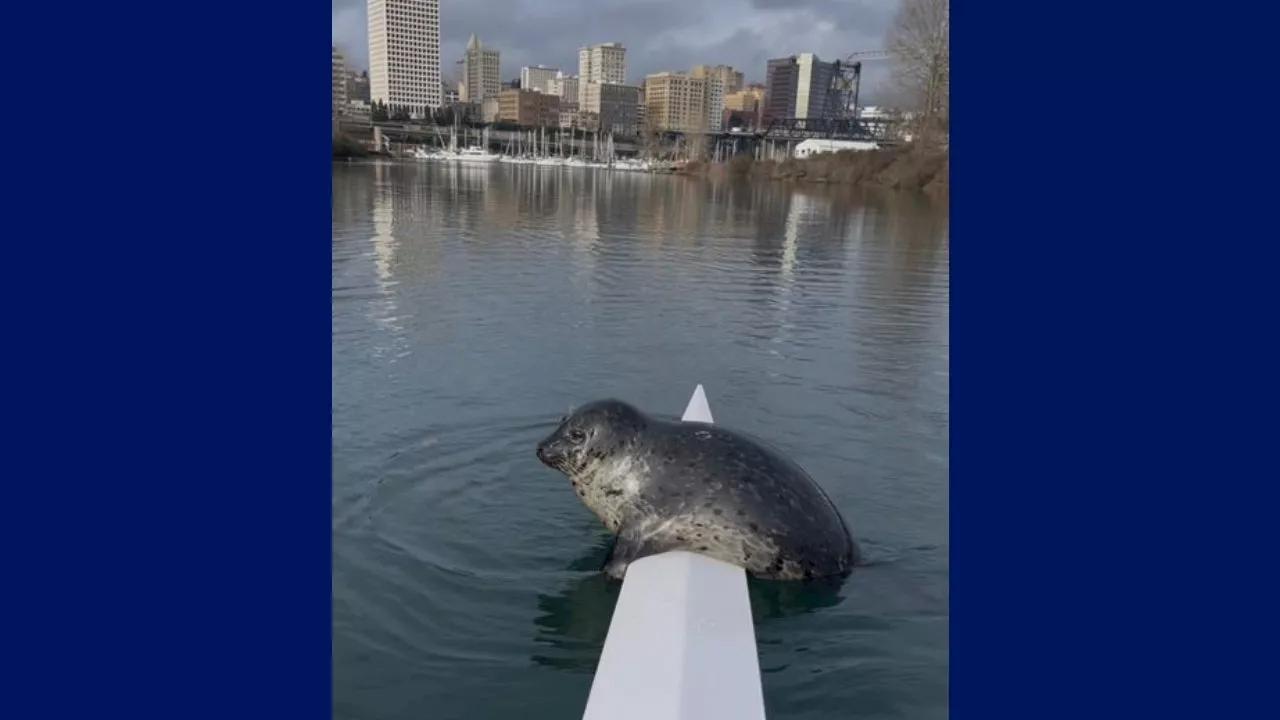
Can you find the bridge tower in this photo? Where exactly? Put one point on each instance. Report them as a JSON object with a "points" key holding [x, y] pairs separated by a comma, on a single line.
{"points": [[848, 81]]}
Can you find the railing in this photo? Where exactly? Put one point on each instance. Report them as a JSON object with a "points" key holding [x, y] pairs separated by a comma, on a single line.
{"points": [[681, 645]]}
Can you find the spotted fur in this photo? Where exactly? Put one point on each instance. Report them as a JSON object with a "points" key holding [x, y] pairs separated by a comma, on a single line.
{"points": [[662, 486]]}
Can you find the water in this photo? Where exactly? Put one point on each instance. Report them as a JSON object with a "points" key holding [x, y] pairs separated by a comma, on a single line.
{"points": [[473, 306]]}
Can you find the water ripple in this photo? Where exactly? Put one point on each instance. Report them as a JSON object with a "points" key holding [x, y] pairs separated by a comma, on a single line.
{"points": [[473, 306]]}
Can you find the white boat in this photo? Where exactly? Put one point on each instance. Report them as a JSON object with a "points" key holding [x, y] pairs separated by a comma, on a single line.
{"points": [[631, 164], [475, 154], [681, 645]]}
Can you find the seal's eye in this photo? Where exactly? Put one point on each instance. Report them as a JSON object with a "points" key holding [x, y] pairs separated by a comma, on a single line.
{"points": [[577, 436]]}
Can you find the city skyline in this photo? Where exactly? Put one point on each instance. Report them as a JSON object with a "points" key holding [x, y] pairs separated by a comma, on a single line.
{"points": [[660, 35]]}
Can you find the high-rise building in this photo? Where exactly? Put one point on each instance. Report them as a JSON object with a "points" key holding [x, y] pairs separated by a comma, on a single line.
{"points": [[714, 98], [479, 72], [404, 54], [800, 86], [780, 77], [815, 89], [538, 78], [339, 94], [729, 78], [603, 63], [674, 101], [715, 104]]}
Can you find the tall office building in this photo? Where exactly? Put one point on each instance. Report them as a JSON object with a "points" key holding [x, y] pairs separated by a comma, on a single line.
{"points": [[479, 72], [339, 93], [800, 86], [404, 53], [603, 63], [675, 101], [717, 79], [815, 88]]}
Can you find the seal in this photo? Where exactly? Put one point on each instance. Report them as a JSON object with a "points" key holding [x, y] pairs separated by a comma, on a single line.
{"points": [[663, 485]]}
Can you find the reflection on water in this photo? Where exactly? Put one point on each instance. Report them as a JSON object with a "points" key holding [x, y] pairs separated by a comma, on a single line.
{"points": [[473, 305], [572, 623]]}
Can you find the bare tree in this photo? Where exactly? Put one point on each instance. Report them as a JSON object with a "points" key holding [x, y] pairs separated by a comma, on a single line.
{"points": [[695, 128], [921, 49], [695, 136], [650, 138]]}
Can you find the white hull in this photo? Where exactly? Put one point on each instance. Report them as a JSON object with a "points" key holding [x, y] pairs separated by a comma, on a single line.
{"points": [[477, 156], [476, 159], [473, 156]]}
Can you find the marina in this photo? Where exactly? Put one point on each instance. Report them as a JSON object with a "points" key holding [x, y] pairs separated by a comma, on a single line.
{"points": [[532, 147]]}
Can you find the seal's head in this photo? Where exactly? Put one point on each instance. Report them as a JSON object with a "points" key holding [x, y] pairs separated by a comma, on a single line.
{"points": [[590, 435]]}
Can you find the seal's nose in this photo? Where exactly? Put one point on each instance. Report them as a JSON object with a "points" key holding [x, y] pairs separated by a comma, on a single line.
{"points": [[548, 455]]}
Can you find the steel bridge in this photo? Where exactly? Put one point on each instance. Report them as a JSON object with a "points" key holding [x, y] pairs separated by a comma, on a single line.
{"points": [[416, 134], [832, 128], [847, 82]]}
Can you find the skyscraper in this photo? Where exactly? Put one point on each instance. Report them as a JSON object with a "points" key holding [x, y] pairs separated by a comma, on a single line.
{"points": [[800, 86], [339, 94], [603, 63], [479, 72], [815, 95], [404, 54]]}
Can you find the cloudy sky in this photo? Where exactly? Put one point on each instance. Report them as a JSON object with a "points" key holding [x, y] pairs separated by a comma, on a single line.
{"points": [[658, 34]]}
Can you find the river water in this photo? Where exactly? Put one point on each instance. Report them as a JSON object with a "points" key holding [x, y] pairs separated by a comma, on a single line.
{"points": [[472, 306]]}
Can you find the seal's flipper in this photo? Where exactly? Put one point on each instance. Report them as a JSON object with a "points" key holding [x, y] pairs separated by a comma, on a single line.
{"points": [[608, 558], [629, 547]]}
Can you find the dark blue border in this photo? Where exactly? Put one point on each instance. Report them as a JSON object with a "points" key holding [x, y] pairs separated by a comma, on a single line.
{"points": [[167, 286], [167, 471], [1107, 429]]}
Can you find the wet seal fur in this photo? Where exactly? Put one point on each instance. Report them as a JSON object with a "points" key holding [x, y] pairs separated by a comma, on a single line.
{"points": [[660, 485]]}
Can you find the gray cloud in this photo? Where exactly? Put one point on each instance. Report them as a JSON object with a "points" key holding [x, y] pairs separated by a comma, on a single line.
{"points": [[659, 34]]}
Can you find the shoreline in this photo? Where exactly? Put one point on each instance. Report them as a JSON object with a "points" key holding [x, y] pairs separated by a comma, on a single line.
{"points": [[902, 168], [893, 168]]}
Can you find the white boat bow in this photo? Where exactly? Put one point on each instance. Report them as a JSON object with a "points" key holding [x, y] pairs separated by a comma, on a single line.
{"points": [[681, 644], [475, 154]]}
